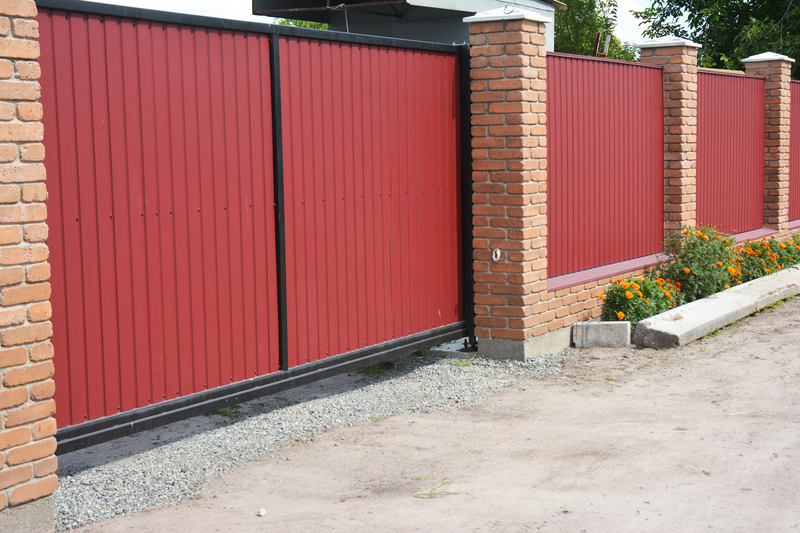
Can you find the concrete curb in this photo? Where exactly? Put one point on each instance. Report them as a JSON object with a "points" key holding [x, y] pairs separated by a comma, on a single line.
{"points": [[697, 319]]}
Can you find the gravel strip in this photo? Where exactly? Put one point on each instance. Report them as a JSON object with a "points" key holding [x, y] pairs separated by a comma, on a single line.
{"points": [[173, 472]]}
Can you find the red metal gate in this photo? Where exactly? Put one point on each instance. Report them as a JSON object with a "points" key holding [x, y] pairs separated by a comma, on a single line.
{"points": [[730, 151], [168, 213], [605, 161], [372, 181], [160, 210], [794, 153]]}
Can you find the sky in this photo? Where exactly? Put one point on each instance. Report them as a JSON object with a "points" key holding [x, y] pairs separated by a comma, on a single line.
{"points": [[628, 29]]}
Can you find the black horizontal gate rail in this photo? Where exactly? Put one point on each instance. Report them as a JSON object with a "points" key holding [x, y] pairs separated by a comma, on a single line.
{"points": [[112, 427]]}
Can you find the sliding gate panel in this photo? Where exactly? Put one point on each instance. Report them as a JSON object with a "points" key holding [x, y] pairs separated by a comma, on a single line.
{"points": [[161, 210], [371, 138]]}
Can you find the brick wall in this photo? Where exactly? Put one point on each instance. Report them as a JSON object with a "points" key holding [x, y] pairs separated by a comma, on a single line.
{"points": [[27, 426], [678, 60], [516, 316], [777, 72], [509, 179]]}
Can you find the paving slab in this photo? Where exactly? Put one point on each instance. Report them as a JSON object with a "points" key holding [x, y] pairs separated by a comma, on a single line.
{"points": [[596, 334]]}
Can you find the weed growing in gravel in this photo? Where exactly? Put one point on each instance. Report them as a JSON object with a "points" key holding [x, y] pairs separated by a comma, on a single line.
{"points": [[379, 369], [232, 411], [460, 362]]}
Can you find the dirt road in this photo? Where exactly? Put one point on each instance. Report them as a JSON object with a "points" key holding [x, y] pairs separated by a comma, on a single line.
{"points": [[701, 438]]}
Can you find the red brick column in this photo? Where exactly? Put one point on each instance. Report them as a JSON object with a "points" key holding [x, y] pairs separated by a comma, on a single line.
{"points": [[508, 68], [27, 426], [678, 58], [777, 70]]}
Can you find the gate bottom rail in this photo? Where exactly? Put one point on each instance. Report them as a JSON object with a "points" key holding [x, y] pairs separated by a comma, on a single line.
{"points": [[112, 427]]}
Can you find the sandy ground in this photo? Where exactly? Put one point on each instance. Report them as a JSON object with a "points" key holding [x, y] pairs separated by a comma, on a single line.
{"points": [[700, 438]]}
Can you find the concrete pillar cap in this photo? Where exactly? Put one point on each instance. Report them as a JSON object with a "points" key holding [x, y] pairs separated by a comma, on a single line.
{"points": [[666, 42], [767, 56], [508, 12]]}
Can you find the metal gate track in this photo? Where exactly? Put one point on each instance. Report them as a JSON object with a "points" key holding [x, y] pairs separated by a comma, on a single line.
{"points": [[112, 427]]}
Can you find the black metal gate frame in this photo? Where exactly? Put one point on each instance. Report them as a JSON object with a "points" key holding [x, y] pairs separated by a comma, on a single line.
{"points": [[111, 427]]}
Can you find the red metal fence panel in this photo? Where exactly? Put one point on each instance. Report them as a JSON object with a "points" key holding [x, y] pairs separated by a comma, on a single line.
{"points": [[794, 153], [160, 210], [730, 151], [605, 161], [371, 177]]}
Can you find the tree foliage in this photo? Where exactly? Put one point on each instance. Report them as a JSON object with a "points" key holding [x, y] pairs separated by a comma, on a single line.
{"points": [[728, 30], [577, 27], [303, 24]]}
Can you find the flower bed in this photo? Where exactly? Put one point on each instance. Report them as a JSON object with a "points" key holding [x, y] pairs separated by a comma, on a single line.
{"points": [[698, 262]]}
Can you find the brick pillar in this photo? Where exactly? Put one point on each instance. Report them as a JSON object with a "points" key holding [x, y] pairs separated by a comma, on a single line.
{"points": [[27, 426], [678, 58], [508, 72], [777, 70]]}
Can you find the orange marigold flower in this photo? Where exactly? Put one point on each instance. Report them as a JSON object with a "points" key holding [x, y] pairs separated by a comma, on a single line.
{"points": [[640, 278], [625, 284], [705, 237], [635, 286], [727, 286], [620, 315], [686, 270], [769, 271], [678, 284], [601, 296], [640, 294], [719, 263], [782, 246], [731, 270], [628, 295], [779, 267]]}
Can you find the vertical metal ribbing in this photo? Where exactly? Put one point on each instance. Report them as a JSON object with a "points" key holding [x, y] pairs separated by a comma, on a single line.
{"points": [[466, 202], [280, 230]]}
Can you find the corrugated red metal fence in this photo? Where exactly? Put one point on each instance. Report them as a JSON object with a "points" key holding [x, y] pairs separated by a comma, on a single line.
{"points": [[166, 250], [371, 166], [794, 154], [605, 161], [160, 207], [730, 151]]}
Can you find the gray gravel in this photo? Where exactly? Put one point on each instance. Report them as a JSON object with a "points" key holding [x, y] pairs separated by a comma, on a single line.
{"points": [[168, 473]]}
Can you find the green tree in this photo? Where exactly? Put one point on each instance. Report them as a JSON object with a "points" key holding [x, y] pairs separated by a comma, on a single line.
{"points": [[728, 30], [577, 27], [303, 24]]}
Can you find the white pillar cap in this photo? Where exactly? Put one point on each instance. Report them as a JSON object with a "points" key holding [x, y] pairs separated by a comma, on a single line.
{"points": [[666, 42], [767, 56], [508, 12]]}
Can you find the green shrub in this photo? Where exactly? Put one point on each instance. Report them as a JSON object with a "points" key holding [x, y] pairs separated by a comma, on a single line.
{"points": [[697, 261], [755, 259], [635, 299]]}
